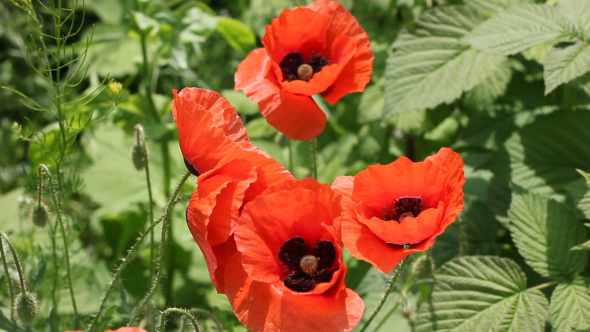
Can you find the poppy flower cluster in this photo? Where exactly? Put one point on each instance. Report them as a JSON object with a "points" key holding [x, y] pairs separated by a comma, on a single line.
{"points": [[317, 49], [272, 243]]}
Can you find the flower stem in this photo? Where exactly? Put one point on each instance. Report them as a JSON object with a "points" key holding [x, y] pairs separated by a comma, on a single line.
{"points": [[133, 250], [388, 290], [19, 268], [290, 147], [8, 279], [161, 261], [183, 312], [63, 234], [313, 146]]}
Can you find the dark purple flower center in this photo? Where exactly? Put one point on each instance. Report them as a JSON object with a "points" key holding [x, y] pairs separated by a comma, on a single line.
{"points": [[403, 207], [294, 66], [307, 265]]}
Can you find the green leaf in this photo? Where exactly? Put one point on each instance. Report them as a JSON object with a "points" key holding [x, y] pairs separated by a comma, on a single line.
{"points": [[519, 28], [543, 159], [565, 64], [371, 103], [577, 11], [483, 95], [431, 65], [482, 293], [237, 34], [544, 231], [490, 7], [570, 306]]}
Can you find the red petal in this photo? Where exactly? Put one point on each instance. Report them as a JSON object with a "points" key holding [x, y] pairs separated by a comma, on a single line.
{"points": [[296, 116]]}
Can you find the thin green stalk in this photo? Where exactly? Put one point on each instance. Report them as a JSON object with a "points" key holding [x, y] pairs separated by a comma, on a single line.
{"points": [[388, 290], [463, 233], [290, 147], [133, 250], [161, 261], [64, 236], [8, 280], [545, 285], [313, 146], [192, 319], [19, 268]]}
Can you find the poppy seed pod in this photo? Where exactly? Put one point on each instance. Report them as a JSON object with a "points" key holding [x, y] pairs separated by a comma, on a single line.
{"points": [[27, 307]]}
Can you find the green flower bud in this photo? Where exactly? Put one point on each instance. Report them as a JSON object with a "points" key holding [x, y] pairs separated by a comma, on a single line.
{"points": [[27, 307], [116, 88], [40, 215]]}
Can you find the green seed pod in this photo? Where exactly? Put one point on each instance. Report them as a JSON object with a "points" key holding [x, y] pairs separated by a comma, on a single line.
{"points": [[40, 215], [422, 267], [27, 307]]}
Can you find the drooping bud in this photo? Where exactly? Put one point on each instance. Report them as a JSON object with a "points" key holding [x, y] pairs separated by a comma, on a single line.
{"points": [[407, 309], [139, 154], [40, 215], [27, 307]]}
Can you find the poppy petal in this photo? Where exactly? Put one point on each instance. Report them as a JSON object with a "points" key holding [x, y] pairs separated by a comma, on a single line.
{"points": [[296, 116]]}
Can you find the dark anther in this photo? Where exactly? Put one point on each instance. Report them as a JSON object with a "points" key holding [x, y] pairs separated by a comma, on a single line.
{"points": [[191, 168], [294, 66], [292, 251], [289, 66], [307, 266], [403, 207]]}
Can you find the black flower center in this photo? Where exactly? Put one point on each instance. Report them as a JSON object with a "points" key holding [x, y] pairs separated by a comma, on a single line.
{"points": [[294, 67], [403, 207], [307, 265]]}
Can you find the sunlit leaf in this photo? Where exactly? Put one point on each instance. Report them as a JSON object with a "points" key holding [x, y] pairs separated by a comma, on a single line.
{"points": [[565, 64], [570, 306], [544, 231], [431, 65], [482, 293], [519, 28]]}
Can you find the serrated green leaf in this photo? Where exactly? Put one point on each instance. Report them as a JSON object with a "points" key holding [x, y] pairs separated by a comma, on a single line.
{"points": [[484, 94], [544, 231], [371, 103], [570, 306], [519, 28], [577, 11], [565, 64], [431, 65], [544, 155], [238, 35], [490, 7], [482, 293]]}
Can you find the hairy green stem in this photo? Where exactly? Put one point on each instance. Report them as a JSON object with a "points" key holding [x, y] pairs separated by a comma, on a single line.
{"points": [[388, 290], [133, 250], [290, 147], [161, 262], [313, 146], [19, 267], [192, 319], [8, 279], [64, 236]]}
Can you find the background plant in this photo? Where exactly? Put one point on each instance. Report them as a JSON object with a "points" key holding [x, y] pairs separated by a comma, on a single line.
{"points": [[445, 74]]}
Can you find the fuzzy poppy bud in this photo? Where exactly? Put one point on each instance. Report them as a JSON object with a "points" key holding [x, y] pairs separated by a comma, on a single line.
{"points": [[407, 309], [27, 307], [40, 215], [139, 153]]}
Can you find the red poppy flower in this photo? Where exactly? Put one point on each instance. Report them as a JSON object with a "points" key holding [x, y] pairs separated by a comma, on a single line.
{"points": [[320, 48], [400, 205], [288, 273]]}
